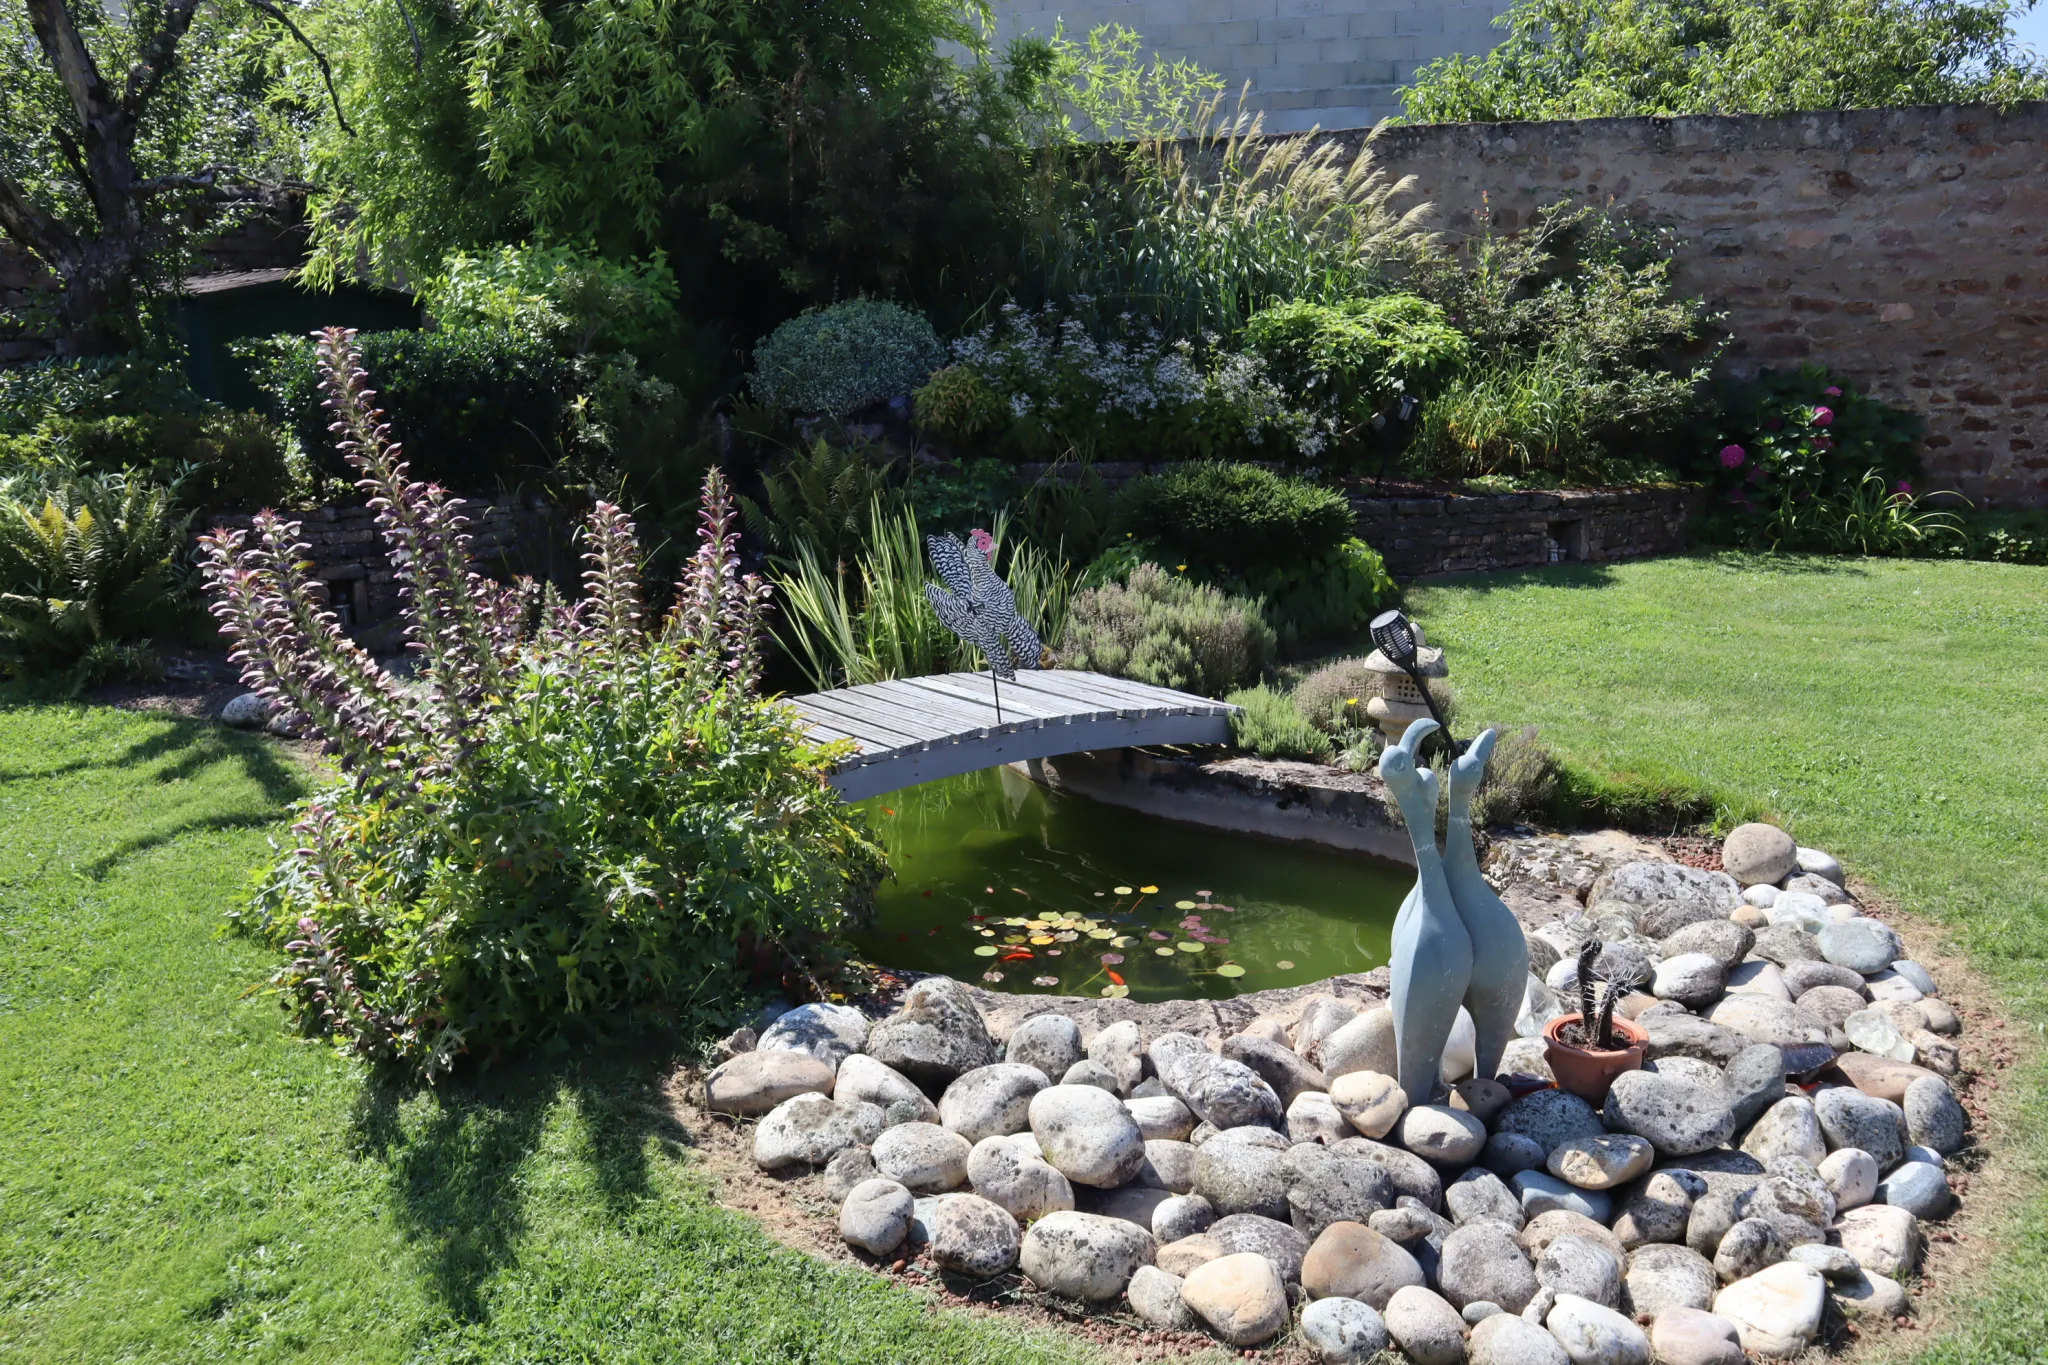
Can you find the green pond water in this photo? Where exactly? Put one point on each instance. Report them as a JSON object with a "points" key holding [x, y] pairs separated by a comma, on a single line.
{"points": [[991, 866]]}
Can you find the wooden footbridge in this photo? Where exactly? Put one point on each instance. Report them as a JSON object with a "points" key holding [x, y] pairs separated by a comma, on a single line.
{"points": [[913, 730]]}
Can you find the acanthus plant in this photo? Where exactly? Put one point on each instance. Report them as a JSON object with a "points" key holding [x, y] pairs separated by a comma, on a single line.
{"points": [[563, 812]]}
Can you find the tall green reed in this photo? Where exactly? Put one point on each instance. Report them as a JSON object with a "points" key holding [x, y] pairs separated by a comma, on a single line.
{"points": [[844, 625]]}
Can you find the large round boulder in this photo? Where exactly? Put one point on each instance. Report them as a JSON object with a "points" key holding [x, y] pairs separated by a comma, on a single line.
{"points": [[935, 1036], [971, 1236], [1087, 1134], [991, 1101], [1351, 1261], [1083, 1256], [876, 1216], [1008, 1172], [809, 1130], [922, 1157], [830, 1033], [1049, 1042], [863, 1078], [1240, 1297], [1757, 853]]}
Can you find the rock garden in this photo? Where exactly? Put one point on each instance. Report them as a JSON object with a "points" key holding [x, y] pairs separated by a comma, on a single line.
{"points": [[1751, 1172]]}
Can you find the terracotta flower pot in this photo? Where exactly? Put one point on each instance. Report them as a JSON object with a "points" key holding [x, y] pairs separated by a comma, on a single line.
{"points": [[1587, 1072]]}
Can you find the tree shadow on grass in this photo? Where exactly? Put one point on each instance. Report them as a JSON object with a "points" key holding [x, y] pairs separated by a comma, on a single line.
{"points": [[457, 1154], [185, 750]]}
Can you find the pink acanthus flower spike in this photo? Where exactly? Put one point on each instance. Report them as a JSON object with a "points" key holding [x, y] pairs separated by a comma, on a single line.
{"points": [[1904, 486], [984, 542], [1823, 416], [1732, 456]]}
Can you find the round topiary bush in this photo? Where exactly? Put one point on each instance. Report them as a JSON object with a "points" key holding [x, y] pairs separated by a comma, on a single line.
{"points": [[840, 359]]}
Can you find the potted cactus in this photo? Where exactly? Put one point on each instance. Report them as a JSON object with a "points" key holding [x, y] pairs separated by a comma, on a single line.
{"points": [[1587, 1050]]}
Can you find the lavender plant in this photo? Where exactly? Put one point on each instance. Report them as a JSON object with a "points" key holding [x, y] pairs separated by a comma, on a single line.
{"points": [[564, 816]]}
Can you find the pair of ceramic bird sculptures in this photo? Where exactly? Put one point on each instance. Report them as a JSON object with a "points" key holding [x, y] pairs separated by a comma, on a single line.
{"points": [[1455, 943]]}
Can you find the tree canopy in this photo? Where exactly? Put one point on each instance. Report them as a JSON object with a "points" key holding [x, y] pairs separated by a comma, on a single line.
{"points": [[1608, 58]]}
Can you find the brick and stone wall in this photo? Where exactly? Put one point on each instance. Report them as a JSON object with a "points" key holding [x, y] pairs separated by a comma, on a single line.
{"points": [[1904, 248], [347, 553], [1454, 534]]}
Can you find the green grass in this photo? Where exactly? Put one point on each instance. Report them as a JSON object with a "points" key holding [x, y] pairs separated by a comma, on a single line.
{"points": [[181, 1180], [1893, 713]]}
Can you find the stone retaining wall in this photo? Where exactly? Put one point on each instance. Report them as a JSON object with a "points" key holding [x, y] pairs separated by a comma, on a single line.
{"points": [[348, 554], [1455, 534], [1906, 249]]}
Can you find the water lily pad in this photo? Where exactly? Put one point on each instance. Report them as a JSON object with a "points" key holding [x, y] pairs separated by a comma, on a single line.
{"points": [[1284, 965], [1040, 940], [1112, 959], [991, 975], [1013, 938], [1230, 969], [1189, 947], [1116, 992], [1183, 905], [1164, 952], [986, 950], [1148, 890], [1045, 981], [986, 933], [1102, 933], [1205, 894], [1123, 891]]}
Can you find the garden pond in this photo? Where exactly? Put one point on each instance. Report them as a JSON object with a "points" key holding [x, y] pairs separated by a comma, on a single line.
{"points": [[1001, 882]]}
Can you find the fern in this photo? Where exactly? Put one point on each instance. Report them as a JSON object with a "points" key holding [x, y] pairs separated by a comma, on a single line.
{"points": [[91, 565]]}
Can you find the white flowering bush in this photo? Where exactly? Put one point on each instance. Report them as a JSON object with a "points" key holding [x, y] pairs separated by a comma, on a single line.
{"points": [[840, 359], [1044, 386]]}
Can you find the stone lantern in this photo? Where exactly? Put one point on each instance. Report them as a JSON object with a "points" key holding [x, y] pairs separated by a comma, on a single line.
{"points": [[1396, 702]]}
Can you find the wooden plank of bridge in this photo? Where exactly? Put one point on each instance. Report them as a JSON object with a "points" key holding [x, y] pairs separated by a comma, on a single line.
{"points": [[912, 730]]}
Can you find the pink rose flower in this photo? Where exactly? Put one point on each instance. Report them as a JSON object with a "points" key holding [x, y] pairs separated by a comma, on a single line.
{"points": [[1832, 392], [1732, 457], [1823, 416], [1823, 443]]}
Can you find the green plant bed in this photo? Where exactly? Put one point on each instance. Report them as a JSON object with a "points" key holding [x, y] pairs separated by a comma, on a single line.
{"points": [[182, 1180], [1890, 712]]}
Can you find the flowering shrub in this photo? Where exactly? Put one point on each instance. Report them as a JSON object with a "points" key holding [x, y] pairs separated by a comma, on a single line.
{"points": [[840, 359], [1044, 386], [1783, 451], [590, 821]]}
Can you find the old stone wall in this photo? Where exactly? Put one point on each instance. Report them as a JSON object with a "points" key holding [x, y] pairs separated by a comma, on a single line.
{"points": [[1904, 248], [347, 553], [1455, 534]]}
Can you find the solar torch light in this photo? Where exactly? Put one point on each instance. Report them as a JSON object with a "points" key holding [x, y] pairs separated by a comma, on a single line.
{"points": [[1394, 636]]}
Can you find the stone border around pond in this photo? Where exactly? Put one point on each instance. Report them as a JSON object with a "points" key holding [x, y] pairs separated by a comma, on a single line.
{"points": [[1320, 1193]]}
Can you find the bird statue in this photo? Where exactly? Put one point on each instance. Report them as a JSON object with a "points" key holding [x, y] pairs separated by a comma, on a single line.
{"points": [[976, 605]]}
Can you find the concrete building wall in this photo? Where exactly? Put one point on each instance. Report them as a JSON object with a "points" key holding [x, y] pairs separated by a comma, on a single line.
{"points": [[1309, 63]]}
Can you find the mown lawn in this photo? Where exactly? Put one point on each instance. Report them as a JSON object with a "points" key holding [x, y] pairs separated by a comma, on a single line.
{"points": [[180, 1180], [1893, 713]]}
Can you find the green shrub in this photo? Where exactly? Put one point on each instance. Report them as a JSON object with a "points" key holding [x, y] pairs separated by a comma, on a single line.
{"points": [[481, 406], [1269, 725], [1232, 519], [227, 460], [597, 824], [1359, 358], [575, 298], [1162, 629], [956, 404], [1784, 455], [843, 358], [1333, 697], [1253, 532], [88, 565], [1581, 350], [134, 384]]}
